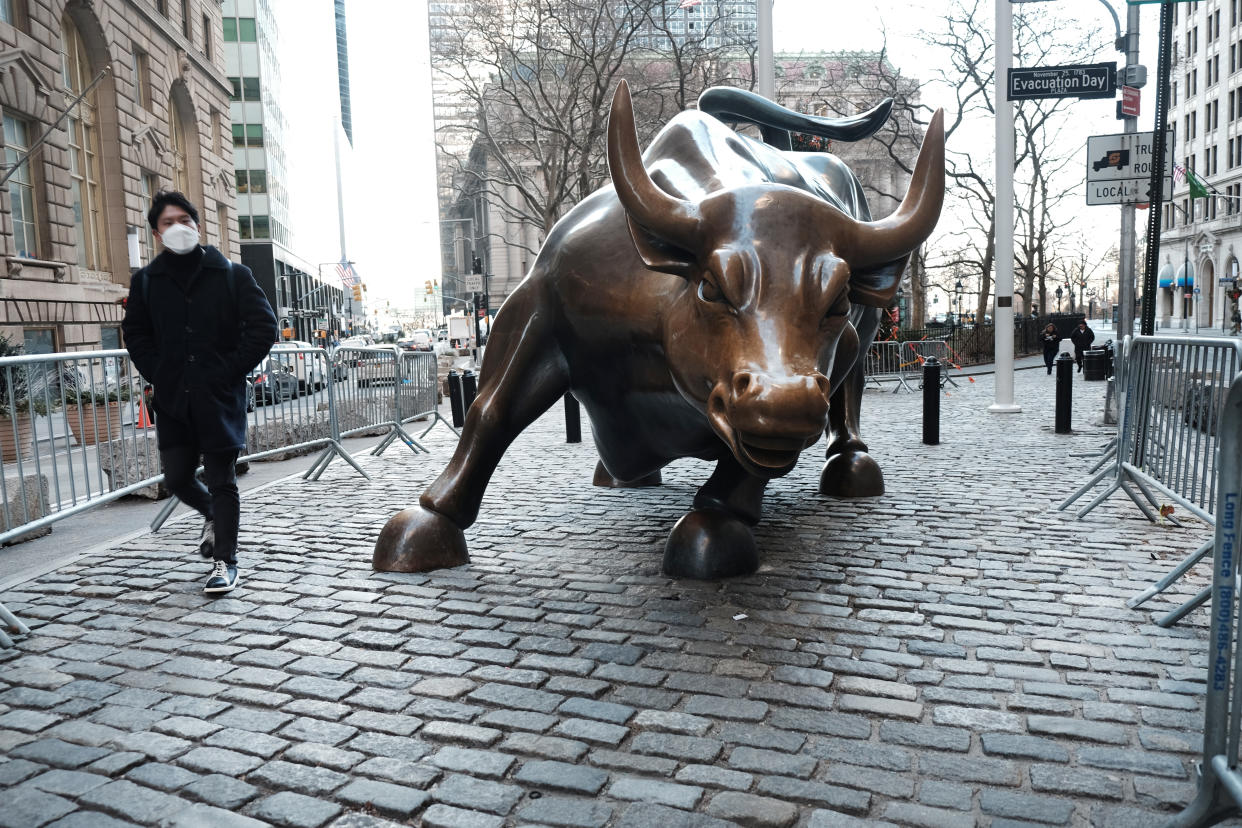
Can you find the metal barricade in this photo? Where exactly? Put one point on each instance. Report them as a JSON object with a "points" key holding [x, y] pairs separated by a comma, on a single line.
{"points": [[1219, 793], [917, 352], [417, 395], [883, 364], [1169, 438]]}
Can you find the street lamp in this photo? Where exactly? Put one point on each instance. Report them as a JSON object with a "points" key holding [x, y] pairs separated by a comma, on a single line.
{"points": [[901, 307], [957, 289], [1059, 294]]}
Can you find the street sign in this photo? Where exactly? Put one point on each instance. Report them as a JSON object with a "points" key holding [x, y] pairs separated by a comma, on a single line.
{"points": [[1196, 291], [1130, 191], [474, 282], [1087, 80], [1126, 155], [1129, 101], [1225, 280]]}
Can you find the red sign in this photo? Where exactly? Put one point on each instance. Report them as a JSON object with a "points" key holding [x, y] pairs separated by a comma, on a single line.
{"points": [[1129, 101]]}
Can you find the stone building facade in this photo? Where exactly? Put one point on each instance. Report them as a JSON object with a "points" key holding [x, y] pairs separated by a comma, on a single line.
{"points": [[155, 115]]}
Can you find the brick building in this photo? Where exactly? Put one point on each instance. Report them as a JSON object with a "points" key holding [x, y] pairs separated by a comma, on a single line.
{"points": [[155, 115]]}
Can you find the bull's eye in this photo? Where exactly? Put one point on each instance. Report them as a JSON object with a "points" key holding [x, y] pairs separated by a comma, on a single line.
{"points": [[708, 292], [839, 310]]}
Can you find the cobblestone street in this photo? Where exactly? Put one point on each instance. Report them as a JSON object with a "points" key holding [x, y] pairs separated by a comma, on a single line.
{"points": [[954, 653]]}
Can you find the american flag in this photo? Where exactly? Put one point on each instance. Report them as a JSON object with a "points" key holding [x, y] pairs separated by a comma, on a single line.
{"points": [[348, 276], [1179, 173], [686, 4]]}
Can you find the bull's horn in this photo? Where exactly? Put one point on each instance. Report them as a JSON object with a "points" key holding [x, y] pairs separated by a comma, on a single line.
{"points": [[665, 216], [897, 235]]}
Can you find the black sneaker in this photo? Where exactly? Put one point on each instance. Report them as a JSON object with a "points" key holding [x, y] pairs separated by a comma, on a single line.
{"points": [[223, 579], [207, 540]]}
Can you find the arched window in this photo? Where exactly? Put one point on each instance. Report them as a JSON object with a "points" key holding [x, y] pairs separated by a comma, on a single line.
{"points": [[84, 173]]}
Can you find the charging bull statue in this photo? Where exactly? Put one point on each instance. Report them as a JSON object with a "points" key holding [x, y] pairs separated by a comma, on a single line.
{"points": [[716, 302]]}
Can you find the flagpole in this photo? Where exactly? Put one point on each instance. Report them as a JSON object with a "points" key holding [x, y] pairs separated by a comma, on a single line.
{"points": [[765, 65]]}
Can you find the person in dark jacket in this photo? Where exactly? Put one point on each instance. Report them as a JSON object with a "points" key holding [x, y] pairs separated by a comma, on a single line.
{"points": [[1082, 337], [1052, 343], [195, 325]]}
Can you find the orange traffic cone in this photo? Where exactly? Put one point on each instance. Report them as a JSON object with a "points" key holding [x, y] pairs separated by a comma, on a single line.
{"points": [[143, 420]]}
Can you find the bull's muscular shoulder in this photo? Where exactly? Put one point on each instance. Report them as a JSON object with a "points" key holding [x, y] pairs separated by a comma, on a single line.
{"points": [[695, 154]]}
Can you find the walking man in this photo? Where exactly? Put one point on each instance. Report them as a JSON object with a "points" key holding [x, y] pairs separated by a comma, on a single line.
{"points": [[1082, 337], [195, 325]]}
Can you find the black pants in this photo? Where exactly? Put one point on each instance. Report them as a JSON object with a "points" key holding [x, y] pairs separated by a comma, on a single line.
{"points": [[1049, 358], [218, 501], [1078, 352]]}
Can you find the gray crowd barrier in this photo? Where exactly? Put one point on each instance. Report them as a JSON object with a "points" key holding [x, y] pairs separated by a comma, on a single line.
{"points": [[883, 365], [1169, 438], [76, 430], [1219, 793]]}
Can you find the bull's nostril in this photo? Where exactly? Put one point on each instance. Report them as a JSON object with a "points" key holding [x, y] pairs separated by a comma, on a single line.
{"points": [[741, 382], [716, 404]]}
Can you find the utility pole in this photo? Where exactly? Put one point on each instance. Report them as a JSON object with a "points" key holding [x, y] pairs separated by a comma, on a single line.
{"points": [[765, 65], [1127, 270], [1003, 317]]}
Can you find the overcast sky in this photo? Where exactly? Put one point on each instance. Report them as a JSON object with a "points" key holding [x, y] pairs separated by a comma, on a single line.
{"points": [[392, 221]]}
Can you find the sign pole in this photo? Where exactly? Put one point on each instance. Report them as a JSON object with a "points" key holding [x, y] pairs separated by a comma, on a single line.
{"points": [[1003, 313], [1127, 272], [1148, 322]]}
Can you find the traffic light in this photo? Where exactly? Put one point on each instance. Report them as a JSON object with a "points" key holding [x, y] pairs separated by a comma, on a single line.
{"points": [[429, 289], [357, 294], [477, 265], [483, 304]]}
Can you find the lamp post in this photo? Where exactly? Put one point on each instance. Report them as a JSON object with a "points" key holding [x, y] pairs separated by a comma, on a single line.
{"points": [[957, 300], [901, 308], [1059, 294]]}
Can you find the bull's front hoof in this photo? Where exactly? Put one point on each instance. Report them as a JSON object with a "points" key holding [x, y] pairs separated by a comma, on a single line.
{"points": [[851, 474], [708, 545], [605, 479], [418, 539]]}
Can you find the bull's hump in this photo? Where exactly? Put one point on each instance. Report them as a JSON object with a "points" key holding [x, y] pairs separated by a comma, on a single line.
{"points": [[695, 155]]}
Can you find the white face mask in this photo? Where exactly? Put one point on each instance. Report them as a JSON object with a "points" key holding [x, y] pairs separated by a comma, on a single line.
{"points": [[180, 238]]}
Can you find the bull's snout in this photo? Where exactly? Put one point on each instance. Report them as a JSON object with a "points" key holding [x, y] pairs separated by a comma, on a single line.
{"points": [[771, 419]]}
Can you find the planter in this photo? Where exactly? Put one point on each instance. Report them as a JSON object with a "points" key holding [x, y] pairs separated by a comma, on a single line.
{"points": [[93, 423], [8, 448]]}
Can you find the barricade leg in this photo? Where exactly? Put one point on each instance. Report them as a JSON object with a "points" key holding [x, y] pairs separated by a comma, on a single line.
{"points": [[1168, 580], [1152, 516], [14, 625], [333, 449], [1185, 609], [164, 513], [1103, 496], [1083, 489]]}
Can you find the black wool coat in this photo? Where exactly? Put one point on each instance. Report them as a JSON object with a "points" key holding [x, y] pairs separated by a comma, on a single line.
{"points": [[196, 345]]}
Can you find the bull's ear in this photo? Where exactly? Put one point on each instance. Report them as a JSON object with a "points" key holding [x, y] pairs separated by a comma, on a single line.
{"points": [[658, 254], [876, 286]]}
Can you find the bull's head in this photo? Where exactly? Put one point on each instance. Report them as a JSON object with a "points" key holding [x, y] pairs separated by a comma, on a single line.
{"points": [[771, 274]]}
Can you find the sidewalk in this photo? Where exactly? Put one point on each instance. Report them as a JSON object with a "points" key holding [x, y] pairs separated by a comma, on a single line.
{"points": [[953, 653]]}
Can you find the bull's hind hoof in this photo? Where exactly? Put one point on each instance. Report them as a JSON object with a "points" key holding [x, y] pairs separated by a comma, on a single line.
{"points": [[418, 539], [707, 545], [851, 474]]}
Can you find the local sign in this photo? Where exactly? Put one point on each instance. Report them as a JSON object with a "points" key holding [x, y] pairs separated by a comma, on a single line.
{"points": [[474, 282], [1133, 191], [1088, 80]]}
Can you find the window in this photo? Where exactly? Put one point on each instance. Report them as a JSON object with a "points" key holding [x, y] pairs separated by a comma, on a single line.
{"points": [[150, 186], [243, 183], [243, 227], [110, 338], [207, 37], [39, 340], [13, 12], [260, 224], [230, 30], [246, 32], [180, 161], [217, 133], [185, 20], [85, 193], [239, 135], [1173, 87], [254, 135], [21, 189], [161, 6], [140, 65], [235, 95], [258, 181], [250, 89]]}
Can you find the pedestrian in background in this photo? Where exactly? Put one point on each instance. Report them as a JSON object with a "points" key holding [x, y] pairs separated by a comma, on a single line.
{"points": [[1237, 321], [1052, 343], [1082, 337], [195, 325]]}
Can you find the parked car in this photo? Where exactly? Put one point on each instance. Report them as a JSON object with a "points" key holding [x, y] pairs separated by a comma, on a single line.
{"points": [[272, 381], [311, 369], [423, 340]]}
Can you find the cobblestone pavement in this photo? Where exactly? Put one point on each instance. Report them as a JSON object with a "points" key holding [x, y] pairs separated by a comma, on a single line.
{"points": [[953, 653]]}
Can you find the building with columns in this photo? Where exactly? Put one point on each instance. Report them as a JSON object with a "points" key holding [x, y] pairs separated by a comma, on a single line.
{"points": [[1201, 238], [153, 114]]}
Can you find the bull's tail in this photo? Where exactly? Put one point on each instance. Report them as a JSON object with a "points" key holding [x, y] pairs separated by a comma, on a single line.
{"points": [[776, 122]]}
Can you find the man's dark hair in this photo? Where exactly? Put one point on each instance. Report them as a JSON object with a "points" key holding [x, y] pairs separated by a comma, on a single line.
{"points": [[164, 198]]}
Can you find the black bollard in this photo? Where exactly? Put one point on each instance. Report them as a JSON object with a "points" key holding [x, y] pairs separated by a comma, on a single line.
{"points": [[931, 401], [1065, 392], [573, 419], [459, 412], [469, 389]]}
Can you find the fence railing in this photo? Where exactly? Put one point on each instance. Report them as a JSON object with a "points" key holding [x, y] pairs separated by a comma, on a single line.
{"points": [[902, 362], [975, 344], [77, 430], [1219, 793], [1169, 438]]}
